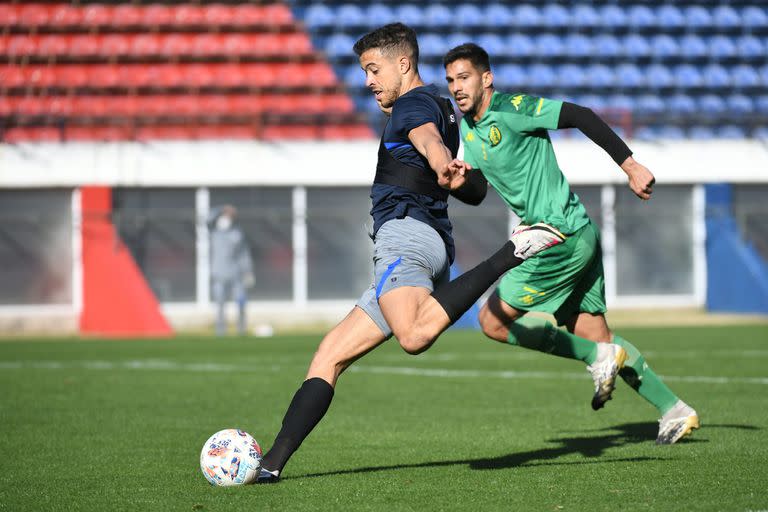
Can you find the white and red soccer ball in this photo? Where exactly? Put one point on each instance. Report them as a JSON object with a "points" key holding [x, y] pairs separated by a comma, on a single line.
{"points": [[230, 457]]}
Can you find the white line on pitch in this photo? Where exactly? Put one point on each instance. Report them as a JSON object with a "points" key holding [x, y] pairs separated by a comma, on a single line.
{"points": [[168, 365]]}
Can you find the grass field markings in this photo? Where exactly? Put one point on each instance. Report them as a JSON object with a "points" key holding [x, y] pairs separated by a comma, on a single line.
{"points": [[170, 365]]}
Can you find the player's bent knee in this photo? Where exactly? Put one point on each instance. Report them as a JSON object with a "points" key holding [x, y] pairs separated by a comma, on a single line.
{"points": [[415, 344], [491, 326]]}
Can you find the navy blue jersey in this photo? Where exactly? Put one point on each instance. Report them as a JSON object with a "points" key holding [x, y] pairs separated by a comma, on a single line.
{"points": [[415, 108]]}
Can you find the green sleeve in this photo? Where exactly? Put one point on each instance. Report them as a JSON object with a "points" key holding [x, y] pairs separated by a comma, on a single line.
{"points": [[523, 113]]}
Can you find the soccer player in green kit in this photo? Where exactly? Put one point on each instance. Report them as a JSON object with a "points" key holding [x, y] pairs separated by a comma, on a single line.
{"points": [[505, 136]]}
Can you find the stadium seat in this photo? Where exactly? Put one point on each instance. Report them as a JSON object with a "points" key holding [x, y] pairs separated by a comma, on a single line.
{"points": [[104, 76], [761, 104], [34, 15], [701, 133], [577, 45], [469, 16], [753, 16], [218, 14], [492, 43], [740, 104], [549, 45], [113, 45], [664, 46], [527, 16], [726, 16], [97, 15], [642, 16], [584, 15], [319, 15], [350, 15], [731, 132], [510, 76], [629, 76], [681, 104], [21, 45], [712, 104], [716, 77], [126, 15], [745, 76], [693, 47], [761, 133], [750, 47], [570, 75], [380, 14], [764, 75], [499, 15], [600, 75], [12, 76], [670, 17], [697, 17], [621, 102], [64, 76], [520, 45], [556, 15], [635, 45], [593, 101], [667, 132], [721, 47], [145, 45], [154, 15], [64, 15], [541, 75], [456, 38], [687, 76], [411, 15], [613, 16], [431, 45], [339, 45], [607, 45], [438, 15], [188, 14]]}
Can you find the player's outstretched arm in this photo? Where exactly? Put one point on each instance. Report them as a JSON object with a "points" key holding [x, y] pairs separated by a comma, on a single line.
{"points": [[575, 116], [426, 139]]}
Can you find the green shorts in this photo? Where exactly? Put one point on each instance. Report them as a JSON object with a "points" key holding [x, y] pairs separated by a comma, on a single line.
{"points": [[564, 280]]}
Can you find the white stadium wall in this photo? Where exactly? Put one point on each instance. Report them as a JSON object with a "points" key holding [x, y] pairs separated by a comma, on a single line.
{"points": [[305, 204]]}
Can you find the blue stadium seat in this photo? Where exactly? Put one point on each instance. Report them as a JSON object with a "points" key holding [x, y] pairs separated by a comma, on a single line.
{"points": [[520, 45], [432, 74], [761, 132], [726, 16], [510, 76], [636, 46], [754, 17], [681, 104], [670, 133], [664, 46], [350, 15], [526, 16], [584, 15], [549, 45], [761, 104], [621, 102], [670, 17], [659, 77], [651, 104], [613, 16], [339, 45], [493, 44], [438, 15], [740, 104], [455, 39], [764, 75], [541, 75], [432, 45], [721, 47], [606, 46], [642, 16], [701, 133], [411, 15], [555, 15], [469, 15], [715, 76], [600, 75], [577, 45], [593, 101], [353, 76], [380, 14], [687, 76], [732, 132], [750, 47], [629, 76], [570, 75], [319, 15], [693, 47], [499, 15], [645, 133], [712, 104], [744, 76], [697, 17]]}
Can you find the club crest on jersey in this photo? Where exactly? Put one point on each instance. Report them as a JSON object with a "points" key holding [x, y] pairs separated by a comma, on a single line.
{"points": [[494, 135]]}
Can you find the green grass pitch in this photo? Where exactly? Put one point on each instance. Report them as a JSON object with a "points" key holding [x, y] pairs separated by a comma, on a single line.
{"points": [[470, 425]]}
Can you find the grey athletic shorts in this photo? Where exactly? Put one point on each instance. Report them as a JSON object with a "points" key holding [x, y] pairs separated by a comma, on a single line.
{"points": [[406, 252]]}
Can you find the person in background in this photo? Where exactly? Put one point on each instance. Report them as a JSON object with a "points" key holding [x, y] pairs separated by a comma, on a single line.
{"points": [[231, 266]]}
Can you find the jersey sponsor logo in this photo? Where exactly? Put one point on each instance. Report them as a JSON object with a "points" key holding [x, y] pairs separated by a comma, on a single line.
{"points": [[516, 101], [470, 137], [494, 135]]}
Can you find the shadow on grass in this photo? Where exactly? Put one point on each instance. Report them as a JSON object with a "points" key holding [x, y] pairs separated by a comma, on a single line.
{"points": [[591, 446]]}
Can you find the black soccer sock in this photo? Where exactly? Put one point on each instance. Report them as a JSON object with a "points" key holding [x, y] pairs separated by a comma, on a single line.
{"points": [[457, 296], [307, 408]]}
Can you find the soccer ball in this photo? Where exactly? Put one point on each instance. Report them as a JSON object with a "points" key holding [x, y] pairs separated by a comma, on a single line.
{"points": [[230, 457]]}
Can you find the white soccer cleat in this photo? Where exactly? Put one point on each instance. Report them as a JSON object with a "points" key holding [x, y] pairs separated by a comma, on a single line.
{"points": [[610, 359], [531, 240], [677, 423]]}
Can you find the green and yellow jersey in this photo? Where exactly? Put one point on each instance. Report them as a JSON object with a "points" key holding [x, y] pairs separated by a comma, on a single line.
{"points": [[512, 148]]}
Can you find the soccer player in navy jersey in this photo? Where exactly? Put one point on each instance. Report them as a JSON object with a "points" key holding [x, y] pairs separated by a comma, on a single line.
{"points": [[411, 296]]}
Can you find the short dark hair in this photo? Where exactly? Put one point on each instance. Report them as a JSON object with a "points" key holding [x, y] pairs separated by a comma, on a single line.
{"points": [[473, 53], [389, 38]]}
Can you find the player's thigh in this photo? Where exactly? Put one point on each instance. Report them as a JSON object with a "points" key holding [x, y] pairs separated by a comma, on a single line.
{"points": [[356, 335], [590, 326]]}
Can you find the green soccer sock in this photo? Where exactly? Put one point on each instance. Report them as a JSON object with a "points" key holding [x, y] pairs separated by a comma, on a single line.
{"points": [[539, 334], [642, 379]]}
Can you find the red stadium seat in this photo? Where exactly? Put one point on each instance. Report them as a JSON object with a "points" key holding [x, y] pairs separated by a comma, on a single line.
{"points": [[188, 15], [338, 103], [37, 134], [248, 104], [284, 103], [40, 76], [157, 106], [199, 75], [84, 45], [6, 105], [176, 44], [144, 45], [127, 15], [90, 106], [215, 105], [60, 105], [53, 45], [346, 132], [207, 44], [230, 75], [31, 105], [104, 76], [237, 44], [287, 132], [165, 76], [113, 45], [99, 133], [218, 14], [136, 75], [21, 45], [261, 75], [12, 76], [321, 75], [295, 75], [295, 44], [165, 132], [275, 14], [65, 15], [157, 14], [34, 15], [96, 15], [9, 15]]}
